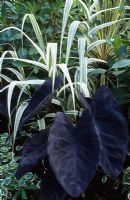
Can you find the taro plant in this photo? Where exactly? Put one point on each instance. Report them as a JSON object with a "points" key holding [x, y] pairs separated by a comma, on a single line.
{"points": [[75, 147], [72, 146]]}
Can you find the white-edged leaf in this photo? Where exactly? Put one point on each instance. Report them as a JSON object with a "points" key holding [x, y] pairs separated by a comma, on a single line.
{"points": [[72, 31], [67, 8], [36, 29], [82, 5], [95, 44], [6, 78], [12, 53], [50, 115], [32, 62], [51, 61], [84, 88], [18, 116], [93, 6], [73, 112], [105, 10], [82, 62], [66, 74], [82, 85], [55, 101], [94, 60], [11, 89], [38, 49], [18, 74], [104, 25], [23, 89], [41, 124]]}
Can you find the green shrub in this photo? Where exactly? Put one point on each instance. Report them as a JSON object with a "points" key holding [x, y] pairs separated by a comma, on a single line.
{"points": [[10, 188]]}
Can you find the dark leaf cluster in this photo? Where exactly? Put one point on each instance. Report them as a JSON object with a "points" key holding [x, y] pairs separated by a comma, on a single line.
{"points": [[74, 151]]}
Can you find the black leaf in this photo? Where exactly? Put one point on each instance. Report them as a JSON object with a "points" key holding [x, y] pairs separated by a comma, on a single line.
{"points": [[3, 102], [34, 150], [50, 189], [73, 152], [40, 99], [112, 130]]}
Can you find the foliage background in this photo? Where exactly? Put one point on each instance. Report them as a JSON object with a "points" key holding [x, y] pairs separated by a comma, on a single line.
{"points": [[48, 15]]}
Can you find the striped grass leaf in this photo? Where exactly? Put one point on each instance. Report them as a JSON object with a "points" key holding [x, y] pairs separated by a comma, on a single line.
{"points": [[6, 78], [32, 62], [104, 25], [92, 7], [11, 87], [52, 61], [66, 74], [12, 53], [18, 116], [15, 72], [38, 49], [67, 9], [36, 29], [41, 124], [72, 31], [106, 10], [84, 7], [82, 63]]}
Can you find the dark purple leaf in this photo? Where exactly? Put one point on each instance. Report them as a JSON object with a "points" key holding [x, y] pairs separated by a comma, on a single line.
{"points": [[50, 189], [3, 102], [113, 131], [84, 101], [40, 99], [34, 150], [73, 152]]}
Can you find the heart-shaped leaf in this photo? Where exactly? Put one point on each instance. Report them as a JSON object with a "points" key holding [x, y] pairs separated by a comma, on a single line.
{"points": [[112, 130], [34, 150], [40, 99], [73, 152], [50, 189]]}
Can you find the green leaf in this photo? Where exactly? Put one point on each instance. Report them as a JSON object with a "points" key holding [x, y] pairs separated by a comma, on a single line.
{"points": [[3, 11], [121, 63], [22, 52], [24, 194], [117, 42]]}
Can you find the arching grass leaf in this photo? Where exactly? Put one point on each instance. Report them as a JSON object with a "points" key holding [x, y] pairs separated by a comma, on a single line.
{"points": [[73, 152], [34, 150], [40, 99]]}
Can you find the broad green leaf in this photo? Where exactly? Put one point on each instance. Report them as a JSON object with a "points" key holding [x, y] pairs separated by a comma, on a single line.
{"points": [[121, 63]]}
